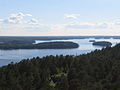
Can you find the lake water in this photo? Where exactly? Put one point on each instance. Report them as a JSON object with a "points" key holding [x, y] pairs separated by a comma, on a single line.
{"points": [[7, 56]]}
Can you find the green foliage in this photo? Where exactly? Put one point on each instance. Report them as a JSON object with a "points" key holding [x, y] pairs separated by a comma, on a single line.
{"points": [[98, 70]]}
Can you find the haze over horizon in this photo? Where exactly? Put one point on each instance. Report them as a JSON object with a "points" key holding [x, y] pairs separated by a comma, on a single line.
{"points": [[59, 17]]}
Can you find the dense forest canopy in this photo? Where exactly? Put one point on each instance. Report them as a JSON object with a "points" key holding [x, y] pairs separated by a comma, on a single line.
{"points": [[98, 70]]}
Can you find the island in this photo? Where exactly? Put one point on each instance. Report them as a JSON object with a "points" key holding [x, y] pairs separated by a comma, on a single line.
{"points": [[102, 43], [91, 40], [45, 45]]}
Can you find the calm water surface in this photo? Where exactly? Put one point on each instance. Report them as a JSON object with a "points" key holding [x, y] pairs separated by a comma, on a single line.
{"points": [[7, 56]]}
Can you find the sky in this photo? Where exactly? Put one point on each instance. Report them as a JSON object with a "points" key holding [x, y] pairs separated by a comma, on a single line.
{"points": [[59, 17]]}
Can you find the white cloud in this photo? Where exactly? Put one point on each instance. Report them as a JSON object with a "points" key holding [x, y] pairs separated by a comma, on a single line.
{"points": [[15, 18], [87, 25], [117, 22], [1, 20], [28, 15], [101, 25], [71, 16], [33, 21], [20, 15]]}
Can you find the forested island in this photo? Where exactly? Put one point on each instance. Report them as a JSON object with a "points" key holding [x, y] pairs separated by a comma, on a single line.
{"points": [[102, 43], [45, 45], [91, 40], [98, 70]]}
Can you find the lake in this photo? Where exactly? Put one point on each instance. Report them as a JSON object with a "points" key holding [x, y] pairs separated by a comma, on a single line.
{"points": [[7, 56]]}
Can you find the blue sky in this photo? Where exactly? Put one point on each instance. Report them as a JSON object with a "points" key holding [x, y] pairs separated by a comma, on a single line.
{"points": [[59, 17]]}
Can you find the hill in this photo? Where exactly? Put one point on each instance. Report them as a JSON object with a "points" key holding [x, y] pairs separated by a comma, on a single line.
{"points": [[98, 70]]}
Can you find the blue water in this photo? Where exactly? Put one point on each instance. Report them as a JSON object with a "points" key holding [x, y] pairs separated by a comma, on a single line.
{"points": [[7, 56]]}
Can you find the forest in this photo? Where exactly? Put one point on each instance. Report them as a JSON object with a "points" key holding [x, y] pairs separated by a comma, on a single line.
{"points": [[98, 70], [44, 45]]}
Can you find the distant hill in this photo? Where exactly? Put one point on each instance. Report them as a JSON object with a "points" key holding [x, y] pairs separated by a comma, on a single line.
{"points": [[98, 70]]}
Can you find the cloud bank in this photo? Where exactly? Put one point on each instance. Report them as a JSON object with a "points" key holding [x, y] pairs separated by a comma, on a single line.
{"points": [[22, 24]]}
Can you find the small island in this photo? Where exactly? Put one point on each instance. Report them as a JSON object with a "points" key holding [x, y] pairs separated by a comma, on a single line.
{"points": [[91, 40], [45, 45], [102, 43]]}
